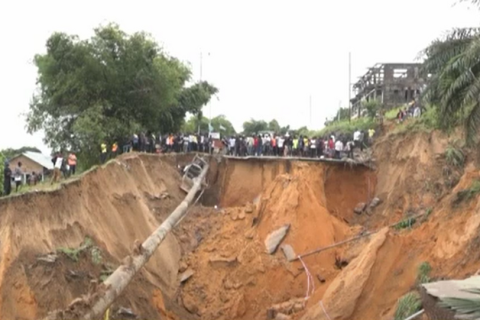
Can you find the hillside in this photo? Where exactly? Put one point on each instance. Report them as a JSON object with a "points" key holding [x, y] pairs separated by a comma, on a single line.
{"points": [[55, 243]]}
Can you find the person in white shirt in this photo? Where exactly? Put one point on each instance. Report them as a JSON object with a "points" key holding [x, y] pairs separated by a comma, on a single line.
{"points": [[356, 138], [338, 148], [313, 147], [231, 146], [280, 145]]}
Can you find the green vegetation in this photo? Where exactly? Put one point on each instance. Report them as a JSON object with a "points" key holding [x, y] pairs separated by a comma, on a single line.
{"points": [[408, 305], [87, 245], [392, 113], [372, 107], [454, 156], [454, 87], [347, 127], [107, 87], [468, 194], [404, 224], [423, 275], [427, 122], [253, 126], [219, 124]]}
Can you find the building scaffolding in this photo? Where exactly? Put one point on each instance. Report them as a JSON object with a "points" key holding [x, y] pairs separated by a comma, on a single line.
{"points": [[392, 84]]}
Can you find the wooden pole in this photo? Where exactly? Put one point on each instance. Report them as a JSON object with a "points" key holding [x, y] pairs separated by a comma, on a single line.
{"points": [[94, 305]]}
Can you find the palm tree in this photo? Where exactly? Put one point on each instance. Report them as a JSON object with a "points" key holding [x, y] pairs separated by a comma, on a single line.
{"points": [[454, 86]]}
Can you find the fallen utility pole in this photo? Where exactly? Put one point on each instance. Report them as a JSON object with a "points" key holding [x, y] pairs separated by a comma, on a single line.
{"points": [[94, 306], [365, 234]]}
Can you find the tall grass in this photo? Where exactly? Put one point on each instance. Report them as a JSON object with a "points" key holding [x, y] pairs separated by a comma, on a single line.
{"points": [[408, 305]]}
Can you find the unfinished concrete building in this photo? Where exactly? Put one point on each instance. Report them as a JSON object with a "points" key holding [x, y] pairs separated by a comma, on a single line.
{"points": [[393, 84]]}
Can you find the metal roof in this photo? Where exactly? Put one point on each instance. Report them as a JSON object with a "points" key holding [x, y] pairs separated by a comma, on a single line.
{"points": [[41, 159]]}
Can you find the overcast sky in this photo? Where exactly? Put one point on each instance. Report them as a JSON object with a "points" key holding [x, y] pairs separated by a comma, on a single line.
{"points": [[266, 56]]}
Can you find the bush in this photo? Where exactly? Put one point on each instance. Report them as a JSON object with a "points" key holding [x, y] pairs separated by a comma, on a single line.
{"points": [[86, 245], [423, 275], [408, 305], [467, 194], [454, 157], [427, 122]]}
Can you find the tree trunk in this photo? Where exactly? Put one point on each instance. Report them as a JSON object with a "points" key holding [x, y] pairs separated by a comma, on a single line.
{"points": [[94, 305]]}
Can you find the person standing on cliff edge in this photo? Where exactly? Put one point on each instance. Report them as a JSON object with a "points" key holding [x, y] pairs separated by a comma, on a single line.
{"points": [[7, 179]]}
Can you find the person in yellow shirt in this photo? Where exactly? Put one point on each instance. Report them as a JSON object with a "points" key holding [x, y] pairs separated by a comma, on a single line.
{"points": [[295, 146], [371, 133], [103, 155]]}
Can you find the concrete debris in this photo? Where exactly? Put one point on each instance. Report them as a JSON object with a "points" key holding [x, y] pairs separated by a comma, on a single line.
{"points": [[186, 275], [49, 258], [127, 313], [375, 202], [288, 252], [288, 307], [360, 208], [275, 238], [218, 261], [161, 196]]}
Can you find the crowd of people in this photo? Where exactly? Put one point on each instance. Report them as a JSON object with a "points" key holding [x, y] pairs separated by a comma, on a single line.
{"points": [[413, 109], [266, 144], [331, 146]]}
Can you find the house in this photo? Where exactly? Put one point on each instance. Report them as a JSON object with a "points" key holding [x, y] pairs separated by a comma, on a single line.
{"points": [[32, 162]]}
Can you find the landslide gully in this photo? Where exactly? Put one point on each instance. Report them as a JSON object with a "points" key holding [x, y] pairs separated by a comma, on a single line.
{"points": [[114, 205], [233, 277]]}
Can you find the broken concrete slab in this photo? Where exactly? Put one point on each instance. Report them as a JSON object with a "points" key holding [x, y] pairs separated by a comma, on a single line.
{"points": [[218, 261], [359, 208], [126, 312], [288, 252], [49, 258], [186, 275], [275, 238]]}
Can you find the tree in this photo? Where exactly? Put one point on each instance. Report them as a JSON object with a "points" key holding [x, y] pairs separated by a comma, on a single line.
{"points": [[218, 122], [454, 86], [274, 126], [372, 107], [107, 87], [252, 127], [10, 153], [342, 114]]}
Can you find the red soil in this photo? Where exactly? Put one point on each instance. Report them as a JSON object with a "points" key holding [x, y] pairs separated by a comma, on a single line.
{"points": [[234, 278]]}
